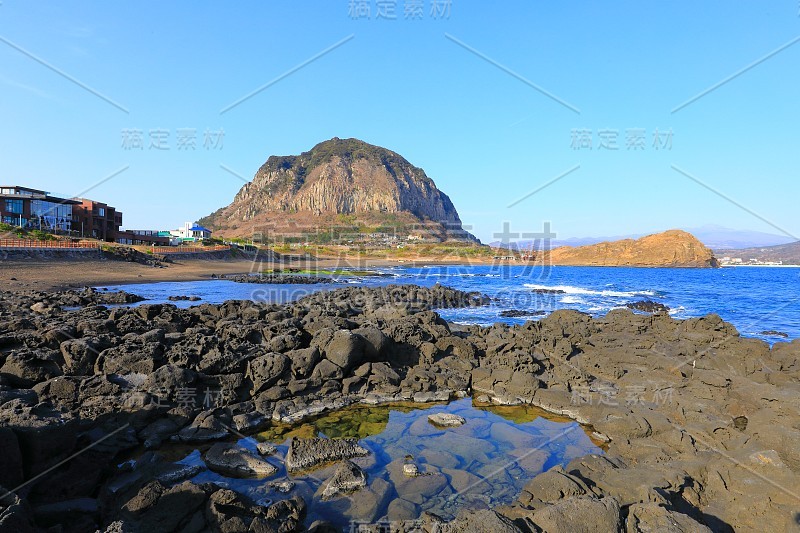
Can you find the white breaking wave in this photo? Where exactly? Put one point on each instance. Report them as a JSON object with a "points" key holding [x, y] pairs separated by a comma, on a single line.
{"points": [[569, 289]]}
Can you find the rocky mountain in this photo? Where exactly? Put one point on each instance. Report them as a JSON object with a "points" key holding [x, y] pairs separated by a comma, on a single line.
{"points": [[673, 248], [339, 182]]}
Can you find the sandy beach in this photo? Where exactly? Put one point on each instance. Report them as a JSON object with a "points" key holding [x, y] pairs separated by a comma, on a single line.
{"points": [[74, 273]]}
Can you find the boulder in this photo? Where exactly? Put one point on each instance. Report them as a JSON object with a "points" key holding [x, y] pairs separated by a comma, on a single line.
{"points": [[266, 370], [652, 518], [483, 521], [346, 349], [79, 356], [579, 515], [303, 361], [25, 369], [308, 453], [446, 420], [235, 461], [552, 486], [348, 477]]}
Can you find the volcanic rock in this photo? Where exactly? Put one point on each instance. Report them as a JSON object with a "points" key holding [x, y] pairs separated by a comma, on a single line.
{"points": [[348, 477], [308, 453], [235, 461], [648, 306], [447, 420]]}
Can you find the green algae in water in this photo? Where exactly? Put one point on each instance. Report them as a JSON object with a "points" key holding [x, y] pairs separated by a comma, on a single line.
{"points": [[484, 463], [356, 421]]}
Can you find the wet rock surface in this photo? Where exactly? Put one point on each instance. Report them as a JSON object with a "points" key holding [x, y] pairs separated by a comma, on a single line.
{"points": [[775, 333], [183, 298], [548, 291], [348, 477], [520, 313], [234, 461], [648, 306], [308, 453], [446, 420], [682, 404]]}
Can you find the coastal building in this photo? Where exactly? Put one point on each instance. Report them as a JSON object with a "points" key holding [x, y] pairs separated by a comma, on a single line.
{"points": [[35, 209], [96, 219], [144, 237], [191, 233]]}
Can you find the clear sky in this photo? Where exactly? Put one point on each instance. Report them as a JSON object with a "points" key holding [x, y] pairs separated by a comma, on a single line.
{"points": [[492, 100]]}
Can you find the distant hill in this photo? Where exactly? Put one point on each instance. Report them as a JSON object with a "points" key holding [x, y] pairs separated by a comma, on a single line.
{"points": [[788, 254], [339, 185], [713, 236], [673, 248]]}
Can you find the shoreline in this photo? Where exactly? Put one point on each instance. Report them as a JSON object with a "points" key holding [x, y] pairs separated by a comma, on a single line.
{"points": [[59, 274]]}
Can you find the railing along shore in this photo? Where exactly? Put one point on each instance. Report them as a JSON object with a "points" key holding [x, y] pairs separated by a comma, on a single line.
{"points": [[32, 243]]}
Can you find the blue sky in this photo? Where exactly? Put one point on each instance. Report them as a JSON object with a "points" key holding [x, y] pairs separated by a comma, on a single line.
{"points": [[447, 104]]}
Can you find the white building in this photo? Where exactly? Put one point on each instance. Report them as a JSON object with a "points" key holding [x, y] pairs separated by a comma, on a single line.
{"points": [[191, 232]]}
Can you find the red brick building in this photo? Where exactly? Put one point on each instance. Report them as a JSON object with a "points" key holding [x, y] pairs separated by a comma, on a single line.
{"points": [[96, 219]]}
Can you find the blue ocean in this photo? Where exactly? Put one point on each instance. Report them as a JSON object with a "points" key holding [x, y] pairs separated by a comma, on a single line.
{"points": [[756, 300]]}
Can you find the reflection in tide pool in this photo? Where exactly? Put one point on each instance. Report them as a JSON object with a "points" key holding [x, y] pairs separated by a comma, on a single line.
{"points": [[486, 462]]}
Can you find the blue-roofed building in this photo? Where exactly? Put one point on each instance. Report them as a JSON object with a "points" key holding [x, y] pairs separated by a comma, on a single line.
{"points": [[191, 232]]}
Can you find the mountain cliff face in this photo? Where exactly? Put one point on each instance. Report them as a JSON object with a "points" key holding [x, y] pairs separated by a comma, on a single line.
{"points": [[369, 184], [673, 248]]}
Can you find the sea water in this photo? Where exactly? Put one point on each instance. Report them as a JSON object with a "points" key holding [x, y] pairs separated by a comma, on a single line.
{"points": [[754, 299]]}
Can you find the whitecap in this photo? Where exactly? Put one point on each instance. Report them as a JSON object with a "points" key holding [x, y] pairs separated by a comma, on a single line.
{"points": [[570, 289]]}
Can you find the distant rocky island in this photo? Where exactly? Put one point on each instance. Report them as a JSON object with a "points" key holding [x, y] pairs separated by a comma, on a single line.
{"points": [[673, 248], [339, 185]]}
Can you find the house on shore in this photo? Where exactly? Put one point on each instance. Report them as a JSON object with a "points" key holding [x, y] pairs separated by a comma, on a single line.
{"points": [[191, 233]]}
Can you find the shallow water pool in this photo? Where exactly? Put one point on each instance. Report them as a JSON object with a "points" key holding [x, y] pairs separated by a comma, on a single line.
{"points": [[484, 463]]}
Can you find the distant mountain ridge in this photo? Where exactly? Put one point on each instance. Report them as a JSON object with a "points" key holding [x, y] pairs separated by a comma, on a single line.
{"points": [[719, 237], [339, 181]]}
